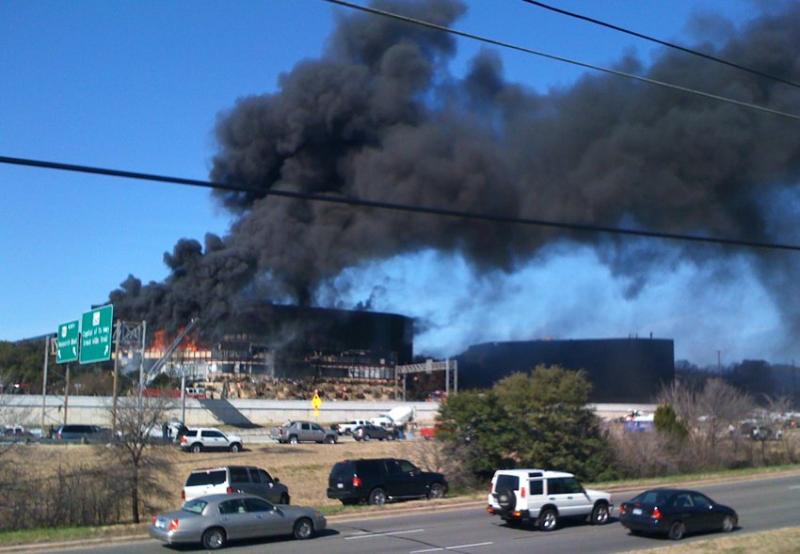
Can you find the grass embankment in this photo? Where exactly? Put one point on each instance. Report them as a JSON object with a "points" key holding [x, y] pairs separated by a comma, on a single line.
{"points": [[61, 534], [780, 541], [303, 468]]}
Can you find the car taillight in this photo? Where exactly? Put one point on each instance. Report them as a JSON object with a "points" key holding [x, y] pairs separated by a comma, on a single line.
{"points": [[183, 495], [173, 525], [184, 440], [356, 481], [154, 519], [656, 514], [622, 509], [230, 490], [522, 492]]}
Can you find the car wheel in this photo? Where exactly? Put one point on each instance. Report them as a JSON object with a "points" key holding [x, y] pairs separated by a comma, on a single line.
{"points": [[330, 440], [548, 520], [728, 524], [676, 531], [196, 448], [214, 538], [292, 440], [436, 491], [377, 497], [600, 515], [303, 529], [367, 437], [235, 447]]}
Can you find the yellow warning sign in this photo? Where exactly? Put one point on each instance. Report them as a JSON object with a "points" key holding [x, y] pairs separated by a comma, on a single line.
{"points": [[316, 403]]}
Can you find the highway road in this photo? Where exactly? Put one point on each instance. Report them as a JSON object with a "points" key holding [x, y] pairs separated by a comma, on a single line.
{"points": [[762, 504]]}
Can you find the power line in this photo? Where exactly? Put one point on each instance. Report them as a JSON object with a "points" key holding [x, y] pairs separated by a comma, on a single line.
{"points": [[350, 201], [662, 42], [616, 72]]}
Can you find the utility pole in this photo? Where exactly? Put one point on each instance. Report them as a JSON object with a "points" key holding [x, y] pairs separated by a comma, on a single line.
{"points": [[719, 361], [117, 337], [44, 379], [141, 363], [183, 396], [66, 394]]}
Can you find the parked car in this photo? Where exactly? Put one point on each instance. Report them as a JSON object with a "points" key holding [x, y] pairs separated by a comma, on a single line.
{"points": [[428, 433], [217, 519], [206, 438], [369, 432], [522, 496], [377, 481], [675, 512], [82, 433], [350, 426], [233, 479], [303, 431]]}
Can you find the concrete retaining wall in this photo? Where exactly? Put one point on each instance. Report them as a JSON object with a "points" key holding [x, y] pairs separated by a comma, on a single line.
{"points": [[94, 410]]}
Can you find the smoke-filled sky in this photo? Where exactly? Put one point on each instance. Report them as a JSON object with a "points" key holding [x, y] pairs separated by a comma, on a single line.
{"points": [[379, 110]]}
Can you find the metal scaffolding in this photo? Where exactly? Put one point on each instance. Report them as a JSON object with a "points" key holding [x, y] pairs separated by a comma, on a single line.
{"points": [[450, 368]]}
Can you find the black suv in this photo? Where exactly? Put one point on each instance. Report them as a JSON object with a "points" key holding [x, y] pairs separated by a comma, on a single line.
{"points": [[376, 481]]}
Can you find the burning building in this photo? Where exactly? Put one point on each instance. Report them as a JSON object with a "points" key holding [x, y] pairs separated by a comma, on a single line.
{"points": [[620, 370], [293, 342]]}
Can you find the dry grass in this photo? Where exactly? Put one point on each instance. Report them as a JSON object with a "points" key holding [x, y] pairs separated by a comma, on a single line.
{"points": [[303, 468], [780, 541]]}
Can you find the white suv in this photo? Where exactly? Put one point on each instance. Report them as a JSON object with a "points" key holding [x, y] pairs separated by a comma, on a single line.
{"points": [[206, 438], [536, 495]]}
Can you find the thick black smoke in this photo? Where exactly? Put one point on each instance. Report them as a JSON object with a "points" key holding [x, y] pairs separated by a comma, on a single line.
{"points": [[379, 117]]}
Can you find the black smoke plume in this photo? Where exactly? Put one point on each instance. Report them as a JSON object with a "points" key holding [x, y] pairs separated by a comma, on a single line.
{"points": [[378, 116]]}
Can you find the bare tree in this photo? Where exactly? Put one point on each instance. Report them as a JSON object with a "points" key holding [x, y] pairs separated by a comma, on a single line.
{"points": [[136, 442], [722, 406]]}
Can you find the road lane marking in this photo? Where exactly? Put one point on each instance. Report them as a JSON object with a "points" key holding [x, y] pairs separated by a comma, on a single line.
{"points": [[456, 547], [383, 534]]}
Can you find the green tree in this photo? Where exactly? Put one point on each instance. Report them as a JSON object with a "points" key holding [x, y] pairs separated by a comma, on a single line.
{"points": [[528, 420], [667, 423]]}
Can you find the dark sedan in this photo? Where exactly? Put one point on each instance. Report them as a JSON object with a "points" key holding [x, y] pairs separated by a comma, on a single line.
{"points": [[675, 512], [369, 431]]}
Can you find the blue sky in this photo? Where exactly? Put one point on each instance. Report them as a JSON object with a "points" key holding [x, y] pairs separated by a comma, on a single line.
{"points": [[139, 85]]}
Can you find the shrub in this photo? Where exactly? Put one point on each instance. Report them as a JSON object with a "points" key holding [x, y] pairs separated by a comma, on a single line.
{"points": [[527, 420]]}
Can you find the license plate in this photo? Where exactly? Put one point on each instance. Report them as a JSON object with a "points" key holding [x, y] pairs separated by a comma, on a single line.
{"points": [[637, 511], [339, 485]]}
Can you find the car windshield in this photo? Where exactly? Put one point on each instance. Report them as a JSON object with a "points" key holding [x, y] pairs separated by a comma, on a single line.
{"points": [[507, 483], [206, 478], [195, 506], [652, 498]]}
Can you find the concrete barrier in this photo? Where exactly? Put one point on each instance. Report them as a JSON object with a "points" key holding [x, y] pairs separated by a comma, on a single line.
{"points": [[94, 410]]}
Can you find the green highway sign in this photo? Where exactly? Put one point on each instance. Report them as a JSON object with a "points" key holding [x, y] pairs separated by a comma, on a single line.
{"points": [[96, 335], [67, 342]]}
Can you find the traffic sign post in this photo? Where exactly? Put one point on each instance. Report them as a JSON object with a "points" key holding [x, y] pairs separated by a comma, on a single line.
{"points": [[96, 335], [67, 342]]}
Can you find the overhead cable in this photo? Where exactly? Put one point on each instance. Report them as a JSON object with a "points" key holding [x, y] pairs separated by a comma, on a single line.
{"points": [[608, 70], [673, 45], [377, 204]]}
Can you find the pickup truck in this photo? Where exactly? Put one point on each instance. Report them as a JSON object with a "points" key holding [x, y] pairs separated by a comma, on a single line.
{"points": [[350, 426], [303, 431]]}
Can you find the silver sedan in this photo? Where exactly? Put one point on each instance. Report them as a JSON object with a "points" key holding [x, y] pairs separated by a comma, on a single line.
{"points": [[215, 519]]}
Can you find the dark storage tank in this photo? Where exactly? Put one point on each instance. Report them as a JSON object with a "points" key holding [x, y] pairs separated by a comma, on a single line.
{"points": [[621, 370]]}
